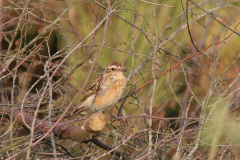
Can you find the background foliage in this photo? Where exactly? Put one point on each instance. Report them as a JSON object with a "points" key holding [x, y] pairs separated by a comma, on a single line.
{"points": [[51, 51]]}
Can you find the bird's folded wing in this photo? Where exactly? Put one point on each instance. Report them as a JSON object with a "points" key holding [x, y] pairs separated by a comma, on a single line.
{"points": [[92, 89]]}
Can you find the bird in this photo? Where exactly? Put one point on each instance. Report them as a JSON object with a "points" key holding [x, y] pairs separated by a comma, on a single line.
{"points": [[105, 90]]}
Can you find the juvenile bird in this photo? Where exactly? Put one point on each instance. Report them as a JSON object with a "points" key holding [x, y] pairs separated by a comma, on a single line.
{"points": [[105, 90]]}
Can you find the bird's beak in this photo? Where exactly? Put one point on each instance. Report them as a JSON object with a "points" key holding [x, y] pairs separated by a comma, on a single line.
{"points": [[124, 70]]}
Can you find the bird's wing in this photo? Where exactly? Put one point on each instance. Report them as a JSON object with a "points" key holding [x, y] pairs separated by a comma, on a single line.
{"points": [[92, 89], [95, 85]]}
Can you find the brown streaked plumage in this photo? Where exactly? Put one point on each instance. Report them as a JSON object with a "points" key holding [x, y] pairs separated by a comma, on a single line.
{"points": [[105, 90]]}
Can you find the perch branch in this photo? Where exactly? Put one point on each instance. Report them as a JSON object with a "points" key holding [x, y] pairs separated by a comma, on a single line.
{"points": [[90, 129]]}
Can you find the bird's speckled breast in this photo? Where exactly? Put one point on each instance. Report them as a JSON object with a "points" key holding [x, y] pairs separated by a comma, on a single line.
{"points": [[112, 90]]}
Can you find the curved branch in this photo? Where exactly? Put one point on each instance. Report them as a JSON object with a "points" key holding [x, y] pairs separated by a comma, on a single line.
{"points": [[90, 129]]}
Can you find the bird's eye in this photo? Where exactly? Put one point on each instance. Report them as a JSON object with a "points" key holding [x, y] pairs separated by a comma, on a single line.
{"points": [[113, 69]]}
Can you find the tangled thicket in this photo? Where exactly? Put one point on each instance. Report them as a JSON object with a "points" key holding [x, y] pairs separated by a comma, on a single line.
{"points": [[182, 97]]}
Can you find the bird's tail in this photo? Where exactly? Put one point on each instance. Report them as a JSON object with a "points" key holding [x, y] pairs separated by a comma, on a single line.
{"points": [[78, 110]]}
